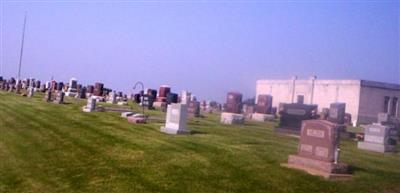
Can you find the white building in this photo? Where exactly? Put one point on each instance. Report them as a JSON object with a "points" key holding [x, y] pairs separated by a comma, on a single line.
{"points": [[364, 99]]}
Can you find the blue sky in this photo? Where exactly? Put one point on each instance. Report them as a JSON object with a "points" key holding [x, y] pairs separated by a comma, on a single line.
{"points": [[207, 47]]}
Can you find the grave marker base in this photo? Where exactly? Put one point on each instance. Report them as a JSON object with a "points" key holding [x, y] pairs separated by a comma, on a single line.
{"points": [[328, 170], [175, 131], [380, 148]]}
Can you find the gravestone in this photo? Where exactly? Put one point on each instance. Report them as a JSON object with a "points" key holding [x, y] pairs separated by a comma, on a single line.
{"points": [[73, 88], [293, 114], [337, 112], [59, 97], [82, 93], [112, 98], [98, 89], [152, 92], [318, 150], [137, 98], [48, 96], [379, 138], [90, 106], [172, 98], [137, 119], [18, 88], [194, 108], [233, 108], [37, 84], [162, 93], [31, 91], [60, 86], [176, 120], [147, 101], [264, 104], [234, 102]]}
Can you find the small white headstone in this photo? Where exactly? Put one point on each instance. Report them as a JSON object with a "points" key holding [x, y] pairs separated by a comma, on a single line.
{"points": [[176, 119]]}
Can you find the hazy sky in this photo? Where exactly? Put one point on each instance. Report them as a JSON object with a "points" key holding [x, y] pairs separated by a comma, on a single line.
{"points": [[208, 48]]}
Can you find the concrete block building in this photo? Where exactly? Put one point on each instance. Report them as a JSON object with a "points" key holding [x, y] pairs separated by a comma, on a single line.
{"points": [[364, 99]]}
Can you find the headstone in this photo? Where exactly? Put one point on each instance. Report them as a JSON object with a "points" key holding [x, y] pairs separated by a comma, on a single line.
{"points": [[73, 88], [337, 112], [231, 118], [98, 89], [18, 88], [194, 108], [163, 92], [60, 86], [90, 89], [176, 119], [264, 104], [148, 101], [31, 91], [48, 96], [137, 98], [233, 103], [379, 138], [318, 151], [90, 106], [152, 92], [172, 98], [137, 119], [37, 84], [112, 98], [82, 93], [59, 97], [293, 114]]}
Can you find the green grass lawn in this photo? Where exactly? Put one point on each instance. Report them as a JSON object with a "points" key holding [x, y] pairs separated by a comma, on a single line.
{"points": [[46, 147]]}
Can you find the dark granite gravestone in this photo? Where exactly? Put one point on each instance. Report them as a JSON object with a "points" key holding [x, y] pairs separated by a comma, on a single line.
{"points": [[172, 98], [293, 114], [148, 101], [98, 89], [60, 86], [337, 112], [318, 150], [82, 93], [233, 103], [37, 84], [194, 108], [137, 98], [379, 138], [264, 104]]}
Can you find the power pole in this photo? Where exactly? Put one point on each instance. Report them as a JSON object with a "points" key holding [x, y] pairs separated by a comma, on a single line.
{"points": [[22, 49]]}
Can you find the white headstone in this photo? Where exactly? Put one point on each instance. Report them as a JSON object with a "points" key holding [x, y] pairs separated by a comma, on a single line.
{"points": [[176, 119]]}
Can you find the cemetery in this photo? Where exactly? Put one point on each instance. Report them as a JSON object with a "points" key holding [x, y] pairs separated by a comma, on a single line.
{"points": [[191, 97], [57, 138]]}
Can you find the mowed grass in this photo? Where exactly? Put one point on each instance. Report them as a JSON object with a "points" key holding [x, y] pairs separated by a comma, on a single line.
{"points": [[46, 147]]}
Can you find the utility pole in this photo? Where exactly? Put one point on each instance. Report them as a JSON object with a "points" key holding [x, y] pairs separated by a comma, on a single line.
{"points": [[22, 49]]}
